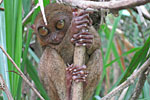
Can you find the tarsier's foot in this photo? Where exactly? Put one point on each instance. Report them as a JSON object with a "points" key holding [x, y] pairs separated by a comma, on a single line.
{"points": [[76, 73], [81, 22]]}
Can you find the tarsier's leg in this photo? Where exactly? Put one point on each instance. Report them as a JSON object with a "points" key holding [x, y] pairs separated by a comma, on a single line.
{"points": [[53, 74], [95, 68]]}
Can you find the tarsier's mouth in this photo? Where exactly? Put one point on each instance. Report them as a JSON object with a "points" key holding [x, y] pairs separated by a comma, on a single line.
{"points": [[56, 42]]}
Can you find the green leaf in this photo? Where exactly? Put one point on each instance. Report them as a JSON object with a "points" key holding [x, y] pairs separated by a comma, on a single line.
{"points": [[139, 56], [23, 63], [124, 54], [146, 90], [110, 41], [13, 16], [18, 40], [34, 55], [137, 59], [129, 92], [115, 52], [3, 58], [26, 6], [10, 35], [26, 49]]}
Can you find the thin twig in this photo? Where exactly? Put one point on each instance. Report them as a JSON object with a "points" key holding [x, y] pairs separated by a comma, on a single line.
{"points": [[14, 72], [144, 12], [22, 75], [128, 82], [4, 87], [42, 11], [138, 25], [30, 13], [2, 9]]}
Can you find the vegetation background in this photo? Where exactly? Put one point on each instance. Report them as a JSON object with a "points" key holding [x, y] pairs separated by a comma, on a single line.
{"points": [[125, 47]]}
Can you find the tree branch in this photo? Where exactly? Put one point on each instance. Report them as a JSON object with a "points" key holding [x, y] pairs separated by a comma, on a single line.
{"points": [[113, 5], [128, 82], [140, 84], [79, 59]]}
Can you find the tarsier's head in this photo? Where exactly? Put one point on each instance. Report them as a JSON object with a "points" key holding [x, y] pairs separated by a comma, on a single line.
{"points": [[59, 19]]}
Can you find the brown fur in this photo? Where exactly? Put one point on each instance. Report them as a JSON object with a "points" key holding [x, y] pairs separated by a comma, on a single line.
{"points": [[52, 66]]}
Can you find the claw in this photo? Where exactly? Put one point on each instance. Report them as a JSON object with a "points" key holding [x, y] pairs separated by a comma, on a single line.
{"points": [[84, 66], [81, 72], [77, 81], [85, 75], [72, 39], [86, 30], [81, 40], [80, 36], [75, 70], [74, 77], [84, 44]]}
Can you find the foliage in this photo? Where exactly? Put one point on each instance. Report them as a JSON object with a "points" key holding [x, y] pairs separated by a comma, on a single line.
{"points": [[125, 46]]}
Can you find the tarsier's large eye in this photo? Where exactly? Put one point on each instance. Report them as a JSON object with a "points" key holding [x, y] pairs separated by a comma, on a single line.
{"points": [[60, 24], [43, 31]]}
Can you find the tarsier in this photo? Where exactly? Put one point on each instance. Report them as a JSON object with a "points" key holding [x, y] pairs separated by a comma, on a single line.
{"points": [[58, 39]]}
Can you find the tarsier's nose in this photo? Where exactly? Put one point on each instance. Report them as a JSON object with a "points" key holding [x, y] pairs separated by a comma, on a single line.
{"points": [[55, 38]]}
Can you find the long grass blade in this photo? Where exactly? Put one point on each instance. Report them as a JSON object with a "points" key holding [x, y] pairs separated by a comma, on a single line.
{"points": [[139, 57], [108, 52], [3, 58]]}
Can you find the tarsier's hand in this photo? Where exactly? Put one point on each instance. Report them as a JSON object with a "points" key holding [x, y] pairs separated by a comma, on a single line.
{"points": [[76, 73], [80, 28]]}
